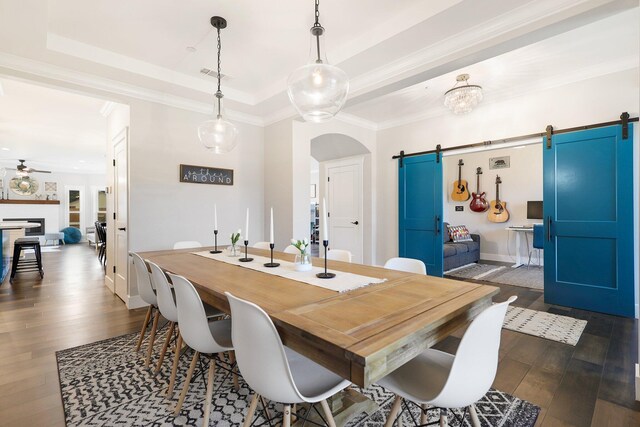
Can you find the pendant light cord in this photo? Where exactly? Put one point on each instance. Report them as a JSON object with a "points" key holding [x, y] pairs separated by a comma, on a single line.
{"points": [[317, 31], [219, 94]]}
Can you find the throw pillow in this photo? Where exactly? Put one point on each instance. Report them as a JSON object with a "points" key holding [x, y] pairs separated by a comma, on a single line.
{"points": [[459, 233]]}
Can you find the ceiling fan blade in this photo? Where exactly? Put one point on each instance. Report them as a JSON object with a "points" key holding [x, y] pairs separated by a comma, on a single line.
{"points": [[39, 171]]}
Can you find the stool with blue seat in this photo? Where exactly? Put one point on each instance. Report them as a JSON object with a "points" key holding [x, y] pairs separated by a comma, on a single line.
{"points": [[538, 241]]}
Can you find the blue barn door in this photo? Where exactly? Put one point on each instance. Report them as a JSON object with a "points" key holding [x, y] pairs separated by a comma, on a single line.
{"points": [[588, 211], [420, 211]]}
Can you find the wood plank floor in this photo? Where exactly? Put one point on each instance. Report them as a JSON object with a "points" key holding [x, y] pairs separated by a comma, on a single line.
{"points": [[587, 385]]}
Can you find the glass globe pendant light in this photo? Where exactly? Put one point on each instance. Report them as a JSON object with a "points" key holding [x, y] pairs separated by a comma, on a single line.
{"points": [[217, 134], [318, 90]]}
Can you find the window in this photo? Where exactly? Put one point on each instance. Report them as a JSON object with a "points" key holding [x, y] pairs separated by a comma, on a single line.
{"points": [[74, 208], [75, 214]]}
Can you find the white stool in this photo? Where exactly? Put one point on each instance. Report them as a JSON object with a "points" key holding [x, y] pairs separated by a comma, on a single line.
{"points": [[55, 237]]}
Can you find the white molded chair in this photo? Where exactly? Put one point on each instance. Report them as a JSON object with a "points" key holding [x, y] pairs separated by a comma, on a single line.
{"points": [[261, 245], [339, 255], [274, 371], [148, 295], [291, 250], [447, 381], [201, 335], [186, 244], [409, 265]]}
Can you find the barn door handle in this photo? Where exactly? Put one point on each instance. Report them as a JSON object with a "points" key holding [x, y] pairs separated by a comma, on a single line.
{"points": [[548, 228], [122, 228], [437, 224], [355, 223]]}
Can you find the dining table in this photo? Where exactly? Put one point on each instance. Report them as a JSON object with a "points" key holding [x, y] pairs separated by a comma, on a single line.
{"points": [[361, 335]]}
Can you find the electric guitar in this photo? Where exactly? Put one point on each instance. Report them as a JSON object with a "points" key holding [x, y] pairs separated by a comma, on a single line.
{"points": [[460, 191], [498, 209], [478, 203]]}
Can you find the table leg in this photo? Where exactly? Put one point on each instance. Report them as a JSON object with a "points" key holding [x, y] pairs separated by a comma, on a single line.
{"points": [[518, 256]]}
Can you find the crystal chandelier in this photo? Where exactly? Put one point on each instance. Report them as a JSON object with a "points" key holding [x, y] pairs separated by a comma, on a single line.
{"points": [[464, 98], [318, 90], [217, 134]]}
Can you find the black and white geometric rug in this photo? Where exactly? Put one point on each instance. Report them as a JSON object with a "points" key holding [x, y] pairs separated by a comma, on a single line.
{"points": [[105, 384]]}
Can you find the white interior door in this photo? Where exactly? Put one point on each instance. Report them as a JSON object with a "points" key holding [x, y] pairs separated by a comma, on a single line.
{"points": [[121, 246], [344, 187]]}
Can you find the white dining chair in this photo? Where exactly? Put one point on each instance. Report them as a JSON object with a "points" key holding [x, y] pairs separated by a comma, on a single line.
{"points": [[203, 336], [274, 371], [409, 265], [339, 255], [261, 245], [148, 295], [291, 250], [446, 381], [186, 244]]}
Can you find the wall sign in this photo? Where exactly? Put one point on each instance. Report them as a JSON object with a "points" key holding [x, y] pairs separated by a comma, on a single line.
{"points": [[499, 162], [206, 175], [459, 208]]}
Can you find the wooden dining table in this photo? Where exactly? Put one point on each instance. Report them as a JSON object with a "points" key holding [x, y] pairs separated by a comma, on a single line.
{"points": [[361, 335]]}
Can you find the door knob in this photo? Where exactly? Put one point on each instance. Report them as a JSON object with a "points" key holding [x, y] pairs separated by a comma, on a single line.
{"points": [[355, 223]]}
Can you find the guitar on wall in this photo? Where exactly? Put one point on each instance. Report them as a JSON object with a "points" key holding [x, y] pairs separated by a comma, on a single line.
{"points": [[498, 210], [460, 191], [478, 202]]}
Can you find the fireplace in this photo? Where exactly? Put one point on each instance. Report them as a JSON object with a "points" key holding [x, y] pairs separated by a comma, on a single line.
{"points": [[35, 231]]}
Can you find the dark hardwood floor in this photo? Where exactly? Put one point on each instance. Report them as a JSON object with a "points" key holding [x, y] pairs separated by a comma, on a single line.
{"points": [[589, 384]]}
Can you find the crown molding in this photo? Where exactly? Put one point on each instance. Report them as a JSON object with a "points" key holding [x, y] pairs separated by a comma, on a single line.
{"points": [[54, 72], [356, 121]]}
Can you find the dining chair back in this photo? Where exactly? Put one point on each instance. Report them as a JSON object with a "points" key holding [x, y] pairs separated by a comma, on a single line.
{"points": [[166, 302], [144, 280], [291, 250], [261, 245], [339, 255], [409, 265], [192, 318], [260, 353], [186, 244], [476, 360]]}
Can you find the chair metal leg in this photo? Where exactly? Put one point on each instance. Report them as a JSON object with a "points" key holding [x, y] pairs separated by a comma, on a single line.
{"points": [[144, 328], [252, 410], [286, 416], [167, 340], [187, 381], [394, 412], [209, 394], [152, 338], [327, 413], [475, 421], [174, 368]]}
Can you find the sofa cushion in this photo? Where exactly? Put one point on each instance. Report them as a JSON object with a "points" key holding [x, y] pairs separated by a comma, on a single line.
{"points": [[459, 233], [461, 248], [471, 246], [449, 250], [445, 236]]}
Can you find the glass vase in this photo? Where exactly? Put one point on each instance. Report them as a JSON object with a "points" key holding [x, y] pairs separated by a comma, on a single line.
{"points": [[303, 262], [234, 250]]}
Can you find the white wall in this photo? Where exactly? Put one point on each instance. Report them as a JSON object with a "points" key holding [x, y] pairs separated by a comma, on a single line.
{"points": [[521, 182], [590, 101]]}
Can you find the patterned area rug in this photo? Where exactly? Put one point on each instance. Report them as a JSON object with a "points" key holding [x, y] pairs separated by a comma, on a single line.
{"points": [[563, 329], [105, 384], [532, 277]]}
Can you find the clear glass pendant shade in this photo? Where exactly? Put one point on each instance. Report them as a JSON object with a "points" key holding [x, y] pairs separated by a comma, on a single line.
{"points": [[318, 90], [218, 135]]}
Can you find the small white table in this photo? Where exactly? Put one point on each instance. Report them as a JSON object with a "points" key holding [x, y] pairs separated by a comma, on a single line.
{"points": [[519, 231]]}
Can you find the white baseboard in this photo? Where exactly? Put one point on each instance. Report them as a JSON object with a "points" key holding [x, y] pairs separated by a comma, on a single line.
{"points": [[135, 301], [109, 283], [637, 382]]}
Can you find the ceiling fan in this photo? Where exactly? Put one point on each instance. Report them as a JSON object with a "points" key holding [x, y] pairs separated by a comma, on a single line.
{"points": [[24, 170]]}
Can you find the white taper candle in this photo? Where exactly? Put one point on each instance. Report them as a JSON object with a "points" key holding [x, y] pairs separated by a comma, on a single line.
{"points": [[215, 217], [325, 228], [271, 233], [246, 228]]}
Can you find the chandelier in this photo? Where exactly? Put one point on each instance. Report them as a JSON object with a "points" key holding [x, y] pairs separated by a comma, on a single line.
{"points": [[464, 98], [217, 134], [318, 90]]}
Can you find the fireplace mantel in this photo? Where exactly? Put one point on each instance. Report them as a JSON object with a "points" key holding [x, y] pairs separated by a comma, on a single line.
{"points": [[29, 202]]}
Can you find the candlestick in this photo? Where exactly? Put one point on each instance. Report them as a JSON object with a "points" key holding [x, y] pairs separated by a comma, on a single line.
{"points": [[271, 234], [215, 239], [246, 258], [246, 227], [325, 275], [272, 264], [325, 229]]}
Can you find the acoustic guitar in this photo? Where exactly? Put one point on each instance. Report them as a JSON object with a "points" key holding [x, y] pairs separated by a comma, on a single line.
{"points": [[478, 202], [498, 209], [460, 191]]}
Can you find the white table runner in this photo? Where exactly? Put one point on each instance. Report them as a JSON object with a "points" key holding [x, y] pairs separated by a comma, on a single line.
{"points": [[343, 282]]}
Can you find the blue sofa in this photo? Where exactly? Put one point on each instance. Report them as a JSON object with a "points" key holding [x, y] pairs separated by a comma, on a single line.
{"points": [[462, 253]]}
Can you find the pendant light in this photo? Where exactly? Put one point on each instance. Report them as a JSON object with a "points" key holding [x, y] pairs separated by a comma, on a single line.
{"points": [[217, 134], [464, 98], [318, 90]]}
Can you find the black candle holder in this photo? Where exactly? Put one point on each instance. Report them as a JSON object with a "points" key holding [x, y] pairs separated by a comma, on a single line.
{"points": [[271, 264], [325, 275], [215, 239], [246, 258]]}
